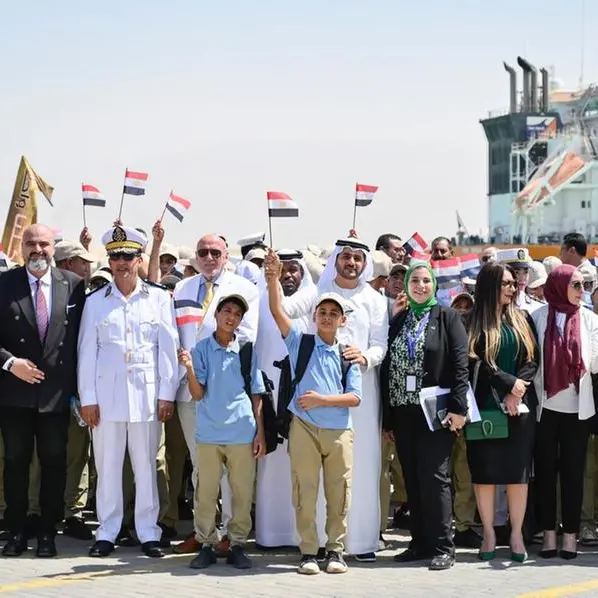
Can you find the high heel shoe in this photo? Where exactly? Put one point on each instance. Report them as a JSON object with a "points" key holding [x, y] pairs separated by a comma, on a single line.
{"points": [[518, 557], [486, 556], [549, 553], [567, 555]]}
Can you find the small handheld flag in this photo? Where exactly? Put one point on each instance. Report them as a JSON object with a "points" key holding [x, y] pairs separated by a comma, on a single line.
{"points": [[92, 196], [415, 243], [280, 205], [364, 194], [134, 184], [177, 206]]}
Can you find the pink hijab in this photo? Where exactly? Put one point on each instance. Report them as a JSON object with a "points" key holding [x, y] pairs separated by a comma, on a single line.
{"points": [[563, 364]]}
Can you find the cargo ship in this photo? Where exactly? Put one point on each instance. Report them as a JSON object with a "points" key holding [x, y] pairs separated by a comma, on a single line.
{"points": [[542, 164]]}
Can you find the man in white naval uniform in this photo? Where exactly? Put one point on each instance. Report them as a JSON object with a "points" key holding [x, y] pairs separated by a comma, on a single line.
{"points": [[127, 375], [195, 301], [274, 512], [347, 271]]}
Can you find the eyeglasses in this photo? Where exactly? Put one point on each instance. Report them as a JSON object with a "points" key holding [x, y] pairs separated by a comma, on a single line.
{"points": [[128, 257], [508, 283], [203, 252], [578, 286]]}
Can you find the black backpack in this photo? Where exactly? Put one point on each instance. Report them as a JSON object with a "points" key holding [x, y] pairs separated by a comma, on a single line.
{"points": [[287, 385], [269, 416]]}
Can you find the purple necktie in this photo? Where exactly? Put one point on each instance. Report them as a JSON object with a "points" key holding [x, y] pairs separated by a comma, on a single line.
{"points": [[41, 312]]}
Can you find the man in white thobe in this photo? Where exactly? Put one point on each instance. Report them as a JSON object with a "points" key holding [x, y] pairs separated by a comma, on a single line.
{"points": [[127, 377]]}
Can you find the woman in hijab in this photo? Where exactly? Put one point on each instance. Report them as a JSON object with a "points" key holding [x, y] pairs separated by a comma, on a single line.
{"points": [[568, 339], [427, 347]]}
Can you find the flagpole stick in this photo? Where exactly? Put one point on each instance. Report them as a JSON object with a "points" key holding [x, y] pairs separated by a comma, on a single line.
{"points": [[84, 220], [163, 212], [122, 197], [270, 229], [354, 214]]}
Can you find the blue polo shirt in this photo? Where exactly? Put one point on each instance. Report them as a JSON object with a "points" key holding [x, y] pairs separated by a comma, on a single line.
{"points": [[324, 376], [225, 414]]}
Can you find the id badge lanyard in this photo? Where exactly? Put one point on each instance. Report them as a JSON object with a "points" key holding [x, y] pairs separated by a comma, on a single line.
{"points": [[411, 382]]}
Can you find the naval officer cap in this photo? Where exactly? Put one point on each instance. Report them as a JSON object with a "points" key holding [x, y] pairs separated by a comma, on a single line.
{"points": [[124, 239], [252, 240], [517, 258]]}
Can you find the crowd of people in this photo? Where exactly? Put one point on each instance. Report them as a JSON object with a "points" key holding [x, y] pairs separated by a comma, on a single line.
{"points": [[294, 384]]}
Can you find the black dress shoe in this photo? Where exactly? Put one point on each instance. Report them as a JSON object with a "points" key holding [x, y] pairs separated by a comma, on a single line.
{"points": [[101, 549], [442, 562], [16, 545], [411, 554], [46, 548], [152, 549], [76, 528]]}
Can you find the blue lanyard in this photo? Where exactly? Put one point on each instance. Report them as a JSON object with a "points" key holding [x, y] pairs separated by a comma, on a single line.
{"points": [[412, 340]]}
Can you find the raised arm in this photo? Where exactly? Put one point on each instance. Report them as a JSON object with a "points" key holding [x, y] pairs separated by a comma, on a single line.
{"points": [[272, 268]]}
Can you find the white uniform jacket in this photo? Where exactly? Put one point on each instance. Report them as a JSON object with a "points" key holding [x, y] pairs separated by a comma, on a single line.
{"points": [[193, 325], [128, 353]]}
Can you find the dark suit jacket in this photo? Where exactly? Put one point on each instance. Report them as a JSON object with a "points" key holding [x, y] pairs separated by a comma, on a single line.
{"points": [[502, 382], [445, 359], [19, 337]]}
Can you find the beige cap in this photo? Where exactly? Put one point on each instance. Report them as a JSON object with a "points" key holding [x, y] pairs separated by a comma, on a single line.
{"points": [[551, 262], [168, 249], [257, 253], [537, 275], [66, 250], [382, 264], [588, 271], [185, 253]]}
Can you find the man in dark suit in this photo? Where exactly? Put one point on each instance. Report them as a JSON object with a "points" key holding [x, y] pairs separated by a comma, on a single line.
{"points": [[40, 311]]}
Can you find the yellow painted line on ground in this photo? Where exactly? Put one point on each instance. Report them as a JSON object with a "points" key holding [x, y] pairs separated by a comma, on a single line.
{"points": [[67, 578], [562, 591]]}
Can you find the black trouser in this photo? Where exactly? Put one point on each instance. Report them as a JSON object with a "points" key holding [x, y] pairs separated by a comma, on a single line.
{"points": [[561, 443], [20, 427], [425, 458]]}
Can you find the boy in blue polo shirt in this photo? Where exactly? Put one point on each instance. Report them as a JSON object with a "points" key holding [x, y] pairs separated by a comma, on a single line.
{"points": [[321, 434], [228, 432]]}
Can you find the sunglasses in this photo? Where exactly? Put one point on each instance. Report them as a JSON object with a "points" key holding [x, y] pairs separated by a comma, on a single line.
{"points": [[128, 257], [215, 253], [578, 286], [505, 284]]}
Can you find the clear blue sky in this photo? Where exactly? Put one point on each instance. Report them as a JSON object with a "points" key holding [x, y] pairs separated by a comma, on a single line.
{"points": [[226, 99]]}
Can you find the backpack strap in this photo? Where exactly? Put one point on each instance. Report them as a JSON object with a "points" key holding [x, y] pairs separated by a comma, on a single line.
{"points": [[306, 348], [345, 367], [245, 356]]}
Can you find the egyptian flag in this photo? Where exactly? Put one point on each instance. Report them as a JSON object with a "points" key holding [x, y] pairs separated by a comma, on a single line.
{"points": [[281, 205], [135, 182], [470, 265], [92, 196], [188, 311], [447, 272], [364, 194], [177, 206], [415, 244]]}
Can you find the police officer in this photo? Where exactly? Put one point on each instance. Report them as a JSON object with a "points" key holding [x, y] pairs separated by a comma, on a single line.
{"points": [[128, 374]]}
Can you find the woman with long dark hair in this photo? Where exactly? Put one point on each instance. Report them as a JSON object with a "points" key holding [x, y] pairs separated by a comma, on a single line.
{"points": [[568, 338], [504, 359], [427, 347]]}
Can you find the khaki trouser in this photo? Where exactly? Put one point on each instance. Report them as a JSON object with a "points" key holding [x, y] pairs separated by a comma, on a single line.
{"points": [[310, 449], [77, 473], [129, 484], [464, 504], [589, 507], [211, 459], [176, 453], [390, 471]]}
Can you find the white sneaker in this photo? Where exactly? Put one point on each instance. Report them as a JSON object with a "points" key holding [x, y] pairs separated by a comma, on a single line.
{"points": [[335, 563], [308, 565]]}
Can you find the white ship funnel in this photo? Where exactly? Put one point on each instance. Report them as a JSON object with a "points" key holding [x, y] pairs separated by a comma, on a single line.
{"points": [[512, 88]]}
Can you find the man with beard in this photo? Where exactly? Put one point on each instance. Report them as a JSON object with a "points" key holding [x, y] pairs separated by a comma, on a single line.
{"points": [[40, 310], [128, 374], [275, 515], [365, 336]]}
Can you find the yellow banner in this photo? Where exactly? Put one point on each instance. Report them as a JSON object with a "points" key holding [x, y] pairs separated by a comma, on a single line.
{"points": [[23, 208]]}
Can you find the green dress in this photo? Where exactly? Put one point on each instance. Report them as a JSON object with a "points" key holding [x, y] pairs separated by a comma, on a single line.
{"points": [[506, 359]]}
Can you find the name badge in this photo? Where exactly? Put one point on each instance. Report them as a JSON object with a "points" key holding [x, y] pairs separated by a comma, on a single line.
{"points": [[410, 383]]}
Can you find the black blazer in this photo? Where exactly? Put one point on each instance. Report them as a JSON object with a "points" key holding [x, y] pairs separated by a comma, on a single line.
{"points": [[499, 380], [445, 359], [19, 337]]}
